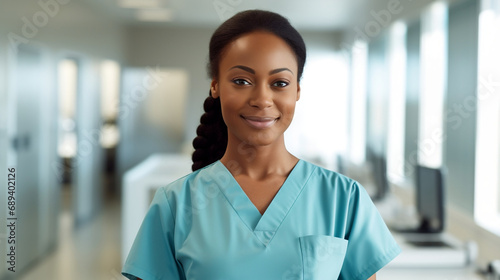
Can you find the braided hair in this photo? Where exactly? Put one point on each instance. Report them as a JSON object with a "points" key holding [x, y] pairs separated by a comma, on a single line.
{"points": [[211, 140]]}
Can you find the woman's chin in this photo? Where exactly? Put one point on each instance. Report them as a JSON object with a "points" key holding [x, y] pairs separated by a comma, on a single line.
{"points": [[262, 139]]}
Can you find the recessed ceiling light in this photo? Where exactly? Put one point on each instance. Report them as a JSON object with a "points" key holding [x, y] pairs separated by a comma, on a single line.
{"points": [[154, 15], [139, 4]]}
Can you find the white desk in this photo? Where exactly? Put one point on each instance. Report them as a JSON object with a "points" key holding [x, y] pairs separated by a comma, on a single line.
{"points": [[445, 266], [418, 265], [139, 186], [466, 273]]}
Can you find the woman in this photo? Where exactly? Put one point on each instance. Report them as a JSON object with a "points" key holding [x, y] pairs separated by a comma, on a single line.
{"points": [[250, 209]]}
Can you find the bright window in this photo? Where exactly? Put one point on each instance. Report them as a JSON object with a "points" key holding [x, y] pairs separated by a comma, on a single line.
{"points": [[397, 91], [487, 183], [110, 87], [68, 87], [433, 82], [319, 128], [110, 97], [357, 112]]}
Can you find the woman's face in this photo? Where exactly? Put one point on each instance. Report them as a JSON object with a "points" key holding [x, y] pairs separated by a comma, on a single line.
{"points": [[257, 87]]}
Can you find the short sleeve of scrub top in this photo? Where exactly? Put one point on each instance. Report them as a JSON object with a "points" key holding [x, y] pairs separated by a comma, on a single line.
{"points": [[320, 225], [152, 255]]}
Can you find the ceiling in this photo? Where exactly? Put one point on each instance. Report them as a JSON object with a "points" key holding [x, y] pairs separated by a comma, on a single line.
{"points": [[305, 15]]}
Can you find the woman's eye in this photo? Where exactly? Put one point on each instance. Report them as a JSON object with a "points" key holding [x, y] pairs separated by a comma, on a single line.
{"points": [[280, 84], [241, 82]]}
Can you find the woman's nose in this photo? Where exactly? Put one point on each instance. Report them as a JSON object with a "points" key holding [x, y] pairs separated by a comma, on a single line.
{"points": [[262, 97]]}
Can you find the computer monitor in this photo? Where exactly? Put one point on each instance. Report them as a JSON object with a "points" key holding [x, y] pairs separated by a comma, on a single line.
{"points": [[379, 172], [341, 164], [430, 199]]}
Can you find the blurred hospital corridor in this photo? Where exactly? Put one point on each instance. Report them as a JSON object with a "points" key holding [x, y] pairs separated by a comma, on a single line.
{"points": [[100, 101], [92, 252]]}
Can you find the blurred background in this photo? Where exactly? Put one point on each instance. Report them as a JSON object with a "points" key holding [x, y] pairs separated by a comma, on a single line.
{"points": [[100, 100]]}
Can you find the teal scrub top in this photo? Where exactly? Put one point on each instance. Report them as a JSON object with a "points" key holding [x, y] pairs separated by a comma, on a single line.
{"points": [[320, 225]]}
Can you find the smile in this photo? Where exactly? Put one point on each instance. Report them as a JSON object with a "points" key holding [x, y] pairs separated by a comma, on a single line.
{"points": [[259, 122]]}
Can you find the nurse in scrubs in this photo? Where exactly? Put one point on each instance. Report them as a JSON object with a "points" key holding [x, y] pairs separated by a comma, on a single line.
{"points": [[251, 210]]}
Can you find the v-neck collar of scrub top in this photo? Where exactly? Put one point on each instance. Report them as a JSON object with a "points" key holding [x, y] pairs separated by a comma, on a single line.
{"points": [[264, 226]]}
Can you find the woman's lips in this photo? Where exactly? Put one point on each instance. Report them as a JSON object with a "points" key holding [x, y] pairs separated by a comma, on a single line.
{"points": [[260, 122]]}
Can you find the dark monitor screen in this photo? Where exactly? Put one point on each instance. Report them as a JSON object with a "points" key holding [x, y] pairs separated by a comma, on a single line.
{"points": [[430, 199], [380, 172]]}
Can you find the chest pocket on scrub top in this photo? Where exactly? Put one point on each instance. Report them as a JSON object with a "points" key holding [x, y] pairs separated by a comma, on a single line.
{"points": [[322, 256]]}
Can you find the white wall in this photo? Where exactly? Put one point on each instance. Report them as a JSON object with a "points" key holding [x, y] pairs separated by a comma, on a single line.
{"points": [[152, 116], [181, 48], [74, 26]]}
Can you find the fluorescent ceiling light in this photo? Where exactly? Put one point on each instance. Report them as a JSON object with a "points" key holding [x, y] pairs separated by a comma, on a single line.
{"points": [[154, 15], [139, 4]]}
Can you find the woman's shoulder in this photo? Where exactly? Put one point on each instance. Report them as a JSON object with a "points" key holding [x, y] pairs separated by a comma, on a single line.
{"points": [[183, 183], [330, 177]]}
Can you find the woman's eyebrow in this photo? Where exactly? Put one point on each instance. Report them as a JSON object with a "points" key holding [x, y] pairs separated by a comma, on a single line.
{"points": [[279, 70], [248, 69]]}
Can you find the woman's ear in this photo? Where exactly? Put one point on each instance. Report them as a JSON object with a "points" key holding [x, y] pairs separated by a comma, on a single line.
{"points": [[298, 92], [214, 88]]}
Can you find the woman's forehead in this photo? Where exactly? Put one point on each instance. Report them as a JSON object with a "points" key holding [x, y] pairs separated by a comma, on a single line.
{"points": [[259, 48]]}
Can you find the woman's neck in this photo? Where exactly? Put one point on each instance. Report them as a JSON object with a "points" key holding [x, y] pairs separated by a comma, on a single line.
{"points": [[258, 162]]}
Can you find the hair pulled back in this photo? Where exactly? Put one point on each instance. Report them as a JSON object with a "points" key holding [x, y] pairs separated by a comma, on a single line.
{"points": [[211, 140]]}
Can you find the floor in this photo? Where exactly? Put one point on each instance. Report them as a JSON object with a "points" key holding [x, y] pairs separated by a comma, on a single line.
{"points": [[89, 252]]}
